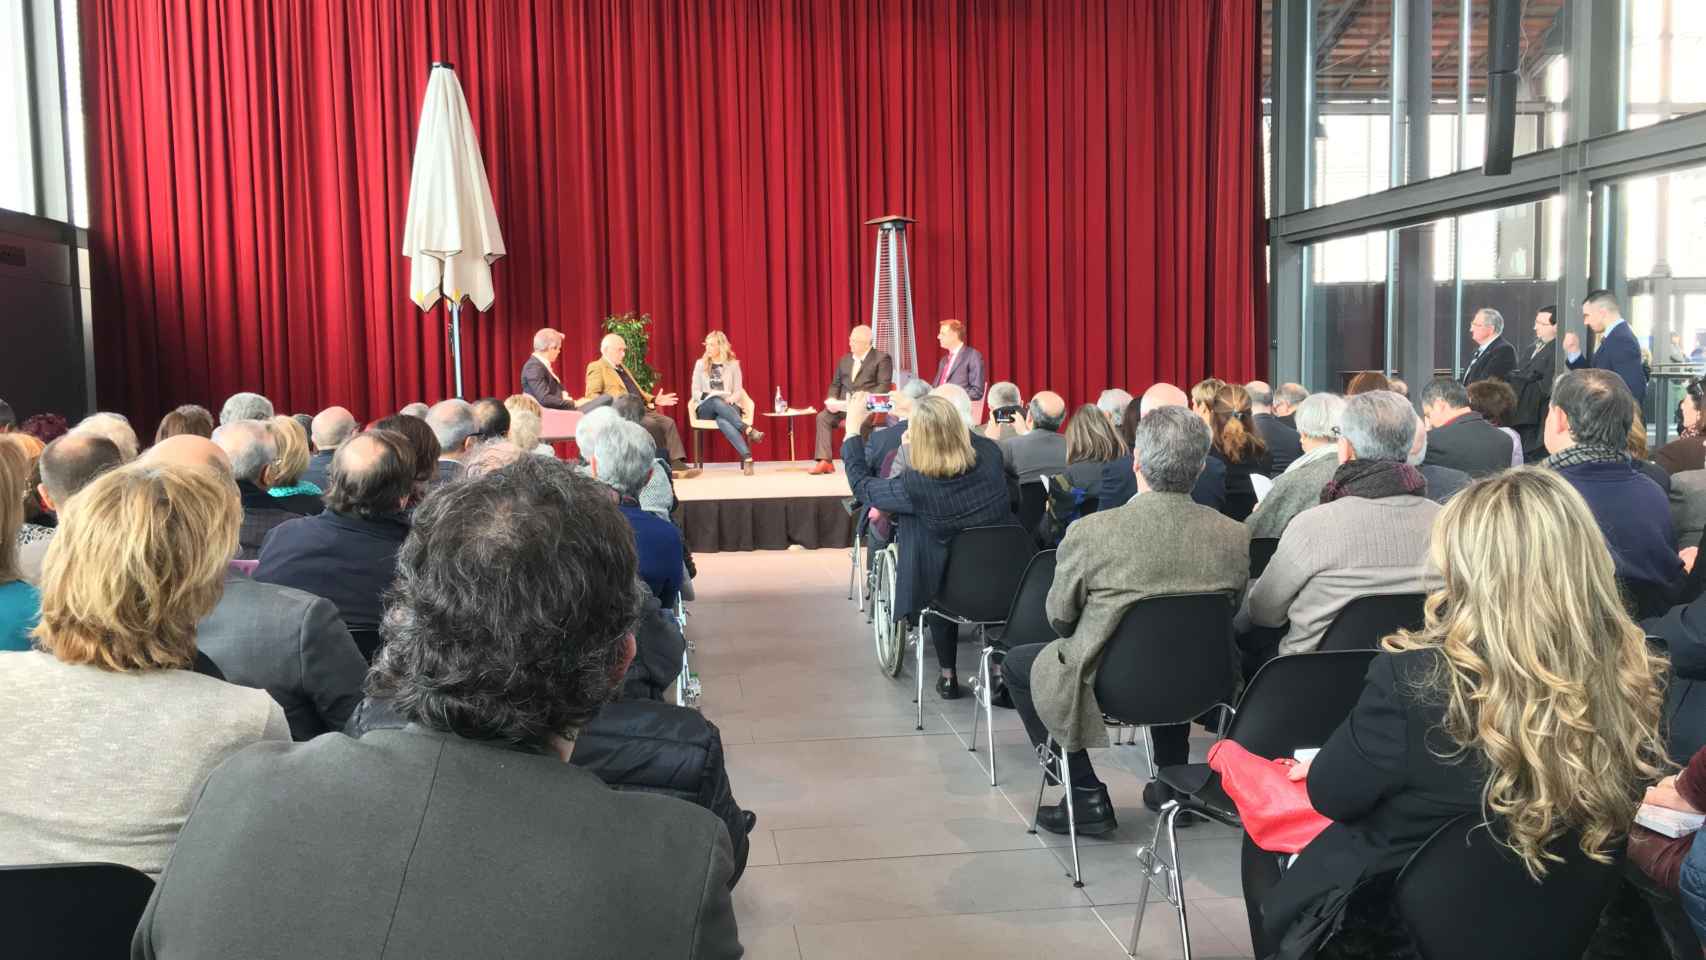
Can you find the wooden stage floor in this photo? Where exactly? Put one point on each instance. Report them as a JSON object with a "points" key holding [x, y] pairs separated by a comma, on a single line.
{"points": [[769, 481]]}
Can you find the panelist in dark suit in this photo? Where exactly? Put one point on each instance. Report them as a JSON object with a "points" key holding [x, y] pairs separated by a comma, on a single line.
{"points": [[538, 377], [861, 370], [1618, 350], [1494, 357], [1532, 381], [1458, 437], [963, 365]]}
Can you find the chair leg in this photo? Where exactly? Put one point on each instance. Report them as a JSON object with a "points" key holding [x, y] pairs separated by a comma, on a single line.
{"points": [[976, 714], [988, 714], [1153, 866], [1045, 753], [699, 449], [918, 642], [1148, 750], [1178, 881], [1071, 815]]}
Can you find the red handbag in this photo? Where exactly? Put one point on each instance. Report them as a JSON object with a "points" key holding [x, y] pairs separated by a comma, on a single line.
{"points": [[1274, 808]]}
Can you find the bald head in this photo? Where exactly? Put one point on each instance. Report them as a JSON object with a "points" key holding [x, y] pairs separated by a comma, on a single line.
{"points": [[189, 450], [372, 475], [250, 446], [453, 423], [1261, 395], [1048, 411], [1162, 395], [956, 395], [613, 349], [331, 427], [70, 462]]}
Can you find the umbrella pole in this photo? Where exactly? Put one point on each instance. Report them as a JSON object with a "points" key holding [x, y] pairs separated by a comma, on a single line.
{"points": [[456, 342]]}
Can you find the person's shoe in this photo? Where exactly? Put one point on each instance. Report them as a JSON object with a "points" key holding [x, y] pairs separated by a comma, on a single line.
{"points": [[685, 473], [1156, 793], [821, 468], [1001, 698], [1093, 810], [948, 687], [746, 466], [755, 435]]}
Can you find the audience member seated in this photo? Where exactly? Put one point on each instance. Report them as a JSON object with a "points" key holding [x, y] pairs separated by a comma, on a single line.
{"points": [[1368, 536], [1443, 482], [348, 553], [288, 488], [20, 603], [1299, 487], [1005, 409], [189, 418], [418, 410], [1458, 437], [1119, 480], [1586, 432], [245, 406], [65, 466], [1040, 450], [423, 452], [1236, 444], [1113, 403], [658, 495], [107, 732], [493, 419], [956, 481], [458, 431], [114, 427], [1282, 440], [526, 422], [252, 450], [1637, 450], [624, 457], [1688, 450], [1287, 398], [1092, 440], [1481, 712], [495, 666], [718, 392], [331, 427], [1661, 858], [1398, 386], [1494, 400], [1186, 548], [608, 377], [1367, 381]]}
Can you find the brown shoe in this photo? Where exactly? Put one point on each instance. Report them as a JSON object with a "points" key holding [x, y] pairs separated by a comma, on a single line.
{"points": [[685, 473], [746, 466], [821, 468], [756, 436]]}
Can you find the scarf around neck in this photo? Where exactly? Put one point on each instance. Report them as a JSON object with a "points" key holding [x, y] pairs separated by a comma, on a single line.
{"points": [[1584, 453], [1374, 480]]}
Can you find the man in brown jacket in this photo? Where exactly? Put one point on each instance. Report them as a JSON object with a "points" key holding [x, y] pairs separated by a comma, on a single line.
{"points": [[607, 377], [1160, 543]]}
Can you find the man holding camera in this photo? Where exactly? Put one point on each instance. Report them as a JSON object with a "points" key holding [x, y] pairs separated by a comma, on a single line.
{"points": [[861, 370], [1006, 412], [1040, 450]]}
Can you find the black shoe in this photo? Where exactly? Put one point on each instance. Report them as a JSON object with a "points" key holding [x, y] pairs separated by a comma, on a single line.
{"points": [[1156, 793], [1001, 698], [756, 436], [948, 687], [1092, 808]]}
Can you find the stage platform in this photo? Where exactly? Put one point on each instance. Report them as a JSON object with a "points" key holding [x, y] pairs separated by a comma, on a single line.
{"points": [[779, 506]]}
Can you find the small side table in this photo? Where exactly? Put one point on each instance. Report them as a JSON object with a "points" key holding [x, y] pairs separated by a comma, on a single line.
{"points": [[790, 415]]}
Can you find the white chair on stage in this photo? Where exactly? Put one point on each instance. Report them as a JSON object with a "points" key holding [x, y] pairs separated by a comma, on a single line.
{"points": [[748, 410]]}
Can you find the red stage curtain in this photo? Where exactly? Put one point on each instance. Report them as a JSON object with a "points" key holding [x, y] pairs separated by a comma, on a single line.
{"points": [[1086, 177]]}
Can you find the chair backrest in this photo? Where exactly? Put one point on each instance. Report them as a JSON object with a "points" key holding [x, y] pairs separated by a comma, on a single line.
{"points": [[1033, 500], [1362, 623], [985, 565], [1027, 618], [1261, 551], [1297, 701], [63, 911], [1169, 660], [1262, 485], [367, 641], [1465, 896]]}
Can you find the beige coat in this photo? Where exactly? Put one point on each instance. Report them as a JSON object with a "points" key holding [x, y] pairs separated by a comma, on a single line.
{"points": [[1158, 544]]}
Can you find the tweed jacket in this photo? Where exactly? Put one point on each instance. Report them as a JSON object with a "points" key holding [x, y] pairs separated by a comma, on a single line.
{"points": [[1099, 572], [1294, 491], [603, 381]]}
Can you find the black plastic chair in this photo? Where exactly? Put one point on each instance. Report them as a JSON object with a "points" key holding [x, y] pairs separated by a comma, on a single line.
{"points": [[1033, 502], [1362, 623], [1465, 896], [1644, 599], [1169, 661], [1293, 702], [1027, 622], [985, 565], [1261, 551], [71, 911]]}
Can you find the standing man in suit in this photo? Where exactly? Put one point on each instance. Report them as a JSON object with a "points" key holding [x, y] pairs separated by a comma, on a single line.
{"points": [[1458, 437], [607, 377], [861, 370], [1494, 357], [1532, 380], [1618, 350], [963, 365], [1284, 443]]}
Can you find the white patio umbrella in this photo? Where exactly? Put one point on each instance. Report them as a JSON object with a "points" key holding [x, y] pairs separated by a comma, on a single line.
{"points": [[451, 233]]}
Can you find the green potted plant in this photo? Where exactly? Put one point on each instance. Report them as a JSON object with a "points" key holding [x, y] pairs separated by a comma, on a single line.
{"points": [[635, 330]]}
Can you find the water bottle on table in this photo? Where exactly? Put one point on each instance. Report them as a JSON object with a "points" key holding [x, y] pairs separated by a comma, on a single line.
{"points": [[781, 404]]}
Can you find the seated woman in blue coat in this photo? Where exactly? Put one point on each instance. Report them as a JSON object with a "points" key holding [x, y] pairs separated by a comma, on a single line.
{"points": [[955, 480]]}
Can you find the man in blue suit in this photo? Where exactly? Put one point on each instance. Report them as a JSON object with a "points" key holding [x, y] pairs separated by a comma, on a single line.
{"points": [[1618, 350], [963, 365]]}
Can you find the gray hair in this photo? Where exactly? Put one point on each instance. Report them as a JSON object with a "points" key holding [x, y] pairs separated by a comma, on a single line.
{"points": [[1380, 425], [418, 410], [114, 427], [625, 457], [1261, 395], [1419, 446], [250, 446], [956, 395], [593, 424], [1003, 394], [332, 426], [546, 339], [489, 457], [1171, 446], [1494, 319], [245, 406], [1113, 402], [452, 422], [1043, 420], [915, 389], [1319, 416], [1453, 394], [1291, 394]]}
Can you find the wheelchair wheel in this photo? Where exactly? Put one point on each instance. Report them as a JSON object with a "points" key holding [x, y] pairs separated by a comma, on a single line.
{"points": [[890, 635]]}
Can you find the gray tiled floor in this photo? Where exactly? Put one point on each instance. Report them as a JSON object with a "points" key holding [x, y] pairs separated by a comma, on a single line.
{"points": [[878, 840]]}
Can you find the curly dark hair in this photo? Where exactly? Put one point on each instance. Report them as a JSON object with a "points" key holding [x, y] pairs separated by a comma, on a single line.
{"points": [[514, 597]]}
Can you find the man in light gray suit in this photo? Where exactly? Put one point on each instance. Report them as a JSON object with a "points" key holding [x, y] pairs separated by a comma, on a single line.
{"points": [[1041, 449], [465, 833], [1160, 543]]}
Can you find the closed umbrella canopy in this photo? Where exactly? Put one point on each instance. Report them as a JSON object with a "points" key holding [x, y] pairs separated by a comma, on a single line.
{"points": [[451, 233]]}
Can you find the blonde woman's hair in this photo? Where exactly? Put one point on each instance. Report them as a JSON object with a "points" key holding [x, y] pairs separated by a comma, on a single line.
{"points": [[1091, 437], [940, 439], [1234, 426], [523, 401], [1553, 690], [292, 460], [1202, 395], [14, 486], [717, 342], [524, 428], [139, 560]]}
